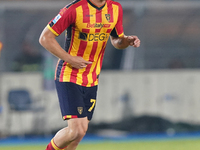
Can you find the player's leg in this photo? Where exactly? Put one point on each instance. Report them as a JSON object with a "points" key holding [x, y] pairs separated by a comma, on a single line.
{"points": [[68, 138], [73, 110], [77, 105], [82, 127], [90, 94]]}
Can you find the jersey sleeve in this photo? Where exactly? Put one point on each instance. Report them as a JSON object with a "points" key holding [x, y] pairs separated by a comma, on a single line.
{"points": [[118, 30], [62, 21]]}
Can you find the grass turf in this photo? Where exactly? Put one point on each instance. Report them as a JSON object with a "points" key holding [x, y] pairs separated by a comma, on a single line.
{"points": [[184, 144]]}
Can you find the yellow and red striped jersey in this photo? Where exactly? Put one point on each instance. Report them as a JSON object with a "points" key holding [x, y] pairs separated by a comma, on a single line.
{"points": [[88, 28]]}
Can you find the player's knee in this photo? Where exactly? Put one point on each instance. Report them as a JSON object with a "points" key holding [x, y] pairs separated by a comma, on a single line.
{"points": [[78, 133], [81, 131]]}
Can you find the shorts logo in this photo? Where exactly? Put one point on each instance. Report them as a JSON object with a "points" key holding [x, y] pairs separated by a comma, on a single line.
{"points": [[107, 17], [80, 110]]}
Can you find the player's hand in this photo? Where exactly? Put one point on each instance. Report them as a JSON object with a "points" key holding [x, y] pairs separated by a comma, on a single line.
{"points": [[78, 62], [133, 41]]}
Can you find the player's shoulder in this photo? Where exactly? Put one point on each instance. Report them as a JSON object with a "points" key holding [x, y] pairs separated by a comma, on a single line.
{"points": [[111, 2], [74, 4], [114, 2], [71, 7]]}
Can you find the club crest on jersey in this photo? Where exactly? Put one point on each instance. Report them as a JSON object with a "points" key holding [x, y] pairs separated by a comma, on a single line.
{"points": [[80, 110], [107, 17]]}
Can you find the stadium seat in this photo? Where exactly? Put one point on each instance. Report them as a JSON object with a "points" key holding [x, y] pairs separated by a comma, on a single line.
{"points": [[20, 101]]}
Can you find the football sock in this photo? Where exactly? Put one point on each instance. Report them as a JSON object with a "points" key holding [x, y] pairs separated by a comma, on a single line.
{"points": [[53, 146]]}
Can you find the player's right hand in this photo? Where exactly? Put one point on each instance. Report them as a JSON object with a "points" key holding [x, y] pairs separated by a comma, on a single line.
{"points": [[78, 62], [133, 41]]}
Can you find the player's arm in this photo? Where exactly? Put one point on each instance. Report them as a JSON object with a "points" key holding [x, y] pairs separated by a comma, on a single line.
{"points": [[48, 41], [125, 41]]}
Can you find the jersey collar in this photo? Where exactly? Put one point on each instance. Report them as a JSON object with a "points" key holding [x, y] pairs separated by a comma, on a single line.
{"points": [[95, 6]]}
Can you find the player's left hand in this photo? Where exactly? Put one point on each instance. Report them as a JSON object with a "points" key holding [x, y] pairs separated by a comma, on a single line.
{"points": [[133, 41]]}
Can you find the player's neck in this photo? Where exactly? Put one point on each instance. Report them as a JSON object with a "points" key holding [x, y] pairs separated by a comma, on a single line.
{"points": [[98, 2]]}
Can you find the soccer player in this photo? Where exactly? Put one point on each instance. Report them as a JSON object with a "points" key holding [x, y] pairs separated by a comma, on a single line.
{"points": [[88, 25]]}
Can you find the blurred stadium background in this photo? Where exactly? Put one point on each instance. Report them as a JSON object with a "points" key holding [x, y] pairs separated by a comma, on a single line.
{"points": [[149, 90]]}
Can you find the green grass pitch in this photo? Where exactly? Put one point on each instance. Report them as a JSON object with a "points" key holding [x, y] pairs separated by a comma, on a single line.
{"points": [[186, 144]]}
